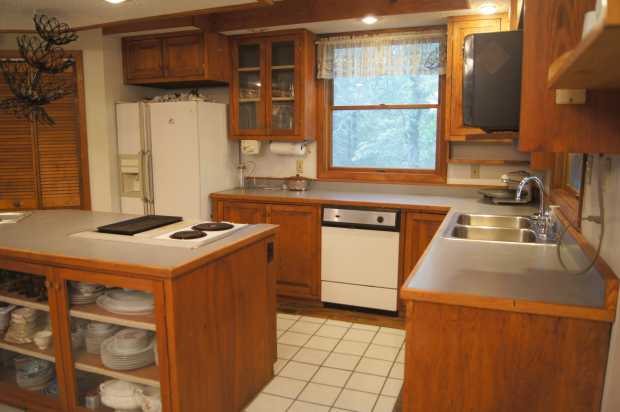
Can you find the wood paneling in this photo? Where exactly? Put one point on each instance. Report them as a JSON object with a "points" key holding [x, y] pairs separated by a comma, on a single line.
{"points": [[467, 359], [458, 29], [300, 229], [289, 12], [553, 27], [222, 316]]}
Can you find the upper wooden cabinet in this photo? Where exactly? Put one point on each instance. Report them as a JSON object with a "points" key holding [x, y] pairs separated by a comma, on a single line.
{"points": [[552, 28], [458, 29], [272, 90], [182, 58]]}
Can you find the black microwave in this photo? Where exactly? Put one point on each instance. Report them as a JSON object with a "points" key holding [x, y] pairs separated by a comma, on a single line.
{"points": [[492, 80]]}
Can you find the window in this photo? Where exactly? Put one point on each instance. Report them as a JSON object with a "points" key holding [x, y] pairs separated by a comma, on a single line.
{"points": [[567, 185], [381, 118]]}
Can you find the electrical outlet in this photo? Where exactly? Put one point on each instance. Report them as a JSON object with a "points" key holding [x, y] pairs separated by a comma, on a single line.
{"points": [[300, 166], [474, 171]]}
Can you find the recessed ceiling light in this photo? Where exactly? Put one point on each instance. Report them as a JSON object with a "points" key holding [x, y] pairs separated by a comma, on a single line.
{"points": [[115, 1], [488, 8], [370, 19]]}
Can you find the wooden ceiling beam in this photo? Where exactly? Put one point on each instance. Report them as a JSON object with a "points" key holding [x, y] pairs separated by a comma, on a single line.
{"points": [[287, 12]]}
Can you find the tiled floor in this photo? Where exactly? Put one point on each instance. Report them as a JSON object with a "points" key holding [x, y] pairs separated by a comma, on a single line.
{"points": [[328, 365]]}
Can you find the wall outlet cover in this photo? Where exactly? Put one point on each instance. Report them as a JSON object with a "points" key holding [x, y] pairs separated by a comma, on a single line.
{"points": [[299, 166]]}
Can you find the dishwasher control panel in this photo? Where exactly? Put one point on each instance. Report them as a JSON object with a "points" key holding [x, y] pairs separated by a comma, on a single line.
{"points": [[361, 218]]}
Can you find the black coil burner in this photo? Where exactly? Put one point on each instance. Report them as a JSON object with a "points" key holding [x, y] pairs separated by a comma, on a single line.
{"points": [[188, 235], [213, 226]]}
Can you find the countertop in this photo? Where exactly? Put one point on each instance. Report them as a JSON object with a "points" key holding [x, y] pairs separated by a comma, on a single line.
{"points": [[509, 276], [45, 236]]}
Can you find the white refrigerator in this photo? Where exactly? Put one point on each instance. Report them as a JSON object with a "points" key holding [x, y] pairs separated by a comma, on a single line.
{"points": [[172, 156]]}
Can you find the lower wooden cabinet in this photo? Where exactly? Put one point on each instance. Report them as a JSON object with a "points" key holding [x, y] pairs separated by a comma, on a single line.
{"points": [[419, 231], [300, 241]]}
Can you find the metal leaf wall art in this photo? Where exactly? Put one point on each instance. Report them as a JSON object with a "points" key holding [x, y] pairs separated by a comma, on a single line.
{"points": [[33, 79]]}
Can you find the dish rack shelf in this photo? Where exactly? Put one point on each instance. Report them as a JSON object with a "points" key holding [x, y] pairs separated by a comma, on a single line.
{"points": [[28, 349], [91, 363], [95, 313], [19, 300]]}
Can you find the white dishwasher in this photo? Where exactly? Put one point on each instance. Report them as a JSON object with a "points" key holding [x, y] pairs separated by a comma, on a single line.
{"points": [[359, 257]]}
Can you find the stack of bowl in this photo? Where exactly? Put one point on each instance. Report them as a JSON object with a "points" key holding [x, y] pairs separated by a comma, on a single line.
{"points": [[23, 325], [33, 374], [96, 333]]}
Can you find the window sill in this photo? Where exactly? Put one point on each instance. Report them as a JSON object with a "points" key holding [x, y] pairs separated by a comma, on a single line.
{"points": [[374, 176]]}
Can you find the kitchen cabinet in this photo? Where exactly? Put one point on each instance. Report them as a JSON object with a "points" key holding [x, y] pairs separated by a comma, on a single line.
{"points": [[223, 365], [273, 86], [551, 29], [458, 28], [418, 231], [180, 59], [299, 240], [462, 358]]}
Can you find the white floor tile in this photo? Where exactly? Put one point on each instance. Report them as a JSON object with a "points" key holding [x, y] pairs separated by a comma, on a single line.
{"points": [[288, 316], [358, 335], [392, 387], [321, 343], [381, 352], [342, 361], [294, 338], [330, 331], [392, 331], [330, 376], [287, 351], [386, 339], [284, 324], [356, 401], [321, 394], [299, 406], [374, 367], [305, 327], [385, 404], [401, 355], [339, 323], [269, 403], [361, 326], [338, 410], [351, 348], [298, 370], [365, 383], [277, 367], [288, 388], [313, 319], [398, 371], [313, 356]]}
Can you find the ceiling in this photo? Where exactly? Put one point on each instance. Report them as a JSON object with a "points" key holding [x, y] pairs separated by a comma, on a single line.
{"points": [[17, 14]]}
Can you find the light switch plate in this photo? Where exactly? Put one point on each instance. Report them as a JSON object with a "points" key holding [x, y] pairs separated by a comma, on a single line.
{"points": [[570, 96], [474, 171], [299, 166]]}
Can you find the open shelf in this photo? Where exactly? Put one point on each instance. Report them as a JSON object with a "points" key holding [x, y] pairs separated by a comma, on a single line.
{"points": [[489, 162], [248, 69], [29, 349], [249, 100], [95, 313], [285, 67], [283, 99], [593, 63], [91, 363], [19, 300]]}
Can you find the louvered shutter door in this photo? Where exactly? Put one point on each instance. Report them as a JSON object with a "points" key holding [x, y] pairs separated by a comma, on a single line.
{"points": [[59, 153], [18, 188]]}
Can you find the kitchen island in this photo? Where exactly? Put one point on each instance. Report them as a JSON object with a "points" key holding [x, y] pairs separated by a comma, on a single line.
{"points": [[212, 320]]}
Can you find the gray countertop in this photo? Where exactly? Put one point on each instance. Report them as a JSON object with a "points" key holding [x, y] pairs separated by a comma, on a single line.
{"points": [[455, 266], [48, 232]]}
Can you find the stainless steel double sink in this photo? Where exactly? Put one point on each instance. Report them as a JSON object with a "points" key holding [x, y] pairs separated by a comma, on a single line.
{"points": [[493, 228]]}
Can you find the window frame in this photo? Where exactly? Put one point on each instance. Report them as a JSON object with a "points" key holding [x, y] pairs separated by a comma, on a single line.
{"points": [[328, 172], [565, 196]]}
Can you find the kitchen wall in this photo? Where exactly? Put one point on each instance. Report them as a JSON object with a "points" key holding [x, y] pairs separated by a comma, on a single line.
{"points": [[611, 168], [103, 85]]}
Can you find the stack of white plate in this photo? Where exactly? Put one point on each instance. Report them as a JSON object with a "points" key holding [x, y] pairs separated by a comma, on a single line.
{"points": [[126, 302], [33, 374], [23, 325], [96, 333], [128, 349], [83, 293]]}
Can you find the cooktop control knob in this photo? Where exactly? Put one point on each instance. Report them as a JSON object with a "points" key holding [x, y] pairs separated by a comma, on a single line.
{"points": [[380, 219]]}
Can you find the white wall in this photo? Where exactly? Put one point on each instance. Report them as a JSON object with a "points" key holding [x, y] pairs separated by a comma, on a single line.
{"points": [[609, 252]]}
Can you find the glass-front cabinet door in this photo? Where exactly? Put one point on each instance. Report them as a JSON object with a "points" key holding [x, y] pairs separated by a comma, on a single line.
{"points": [[283, 86], [249, 90], [113, 339], [30, 355]]}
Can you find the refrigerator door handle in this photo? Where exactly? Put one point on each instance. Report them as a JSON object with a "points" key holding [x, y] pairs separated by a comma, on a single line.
{"points": [[148, 193]]}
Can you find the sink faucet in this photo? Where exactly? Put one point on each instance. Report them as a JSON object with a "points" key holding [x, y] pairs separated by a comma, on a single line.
{"points": [[543, 221]]}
